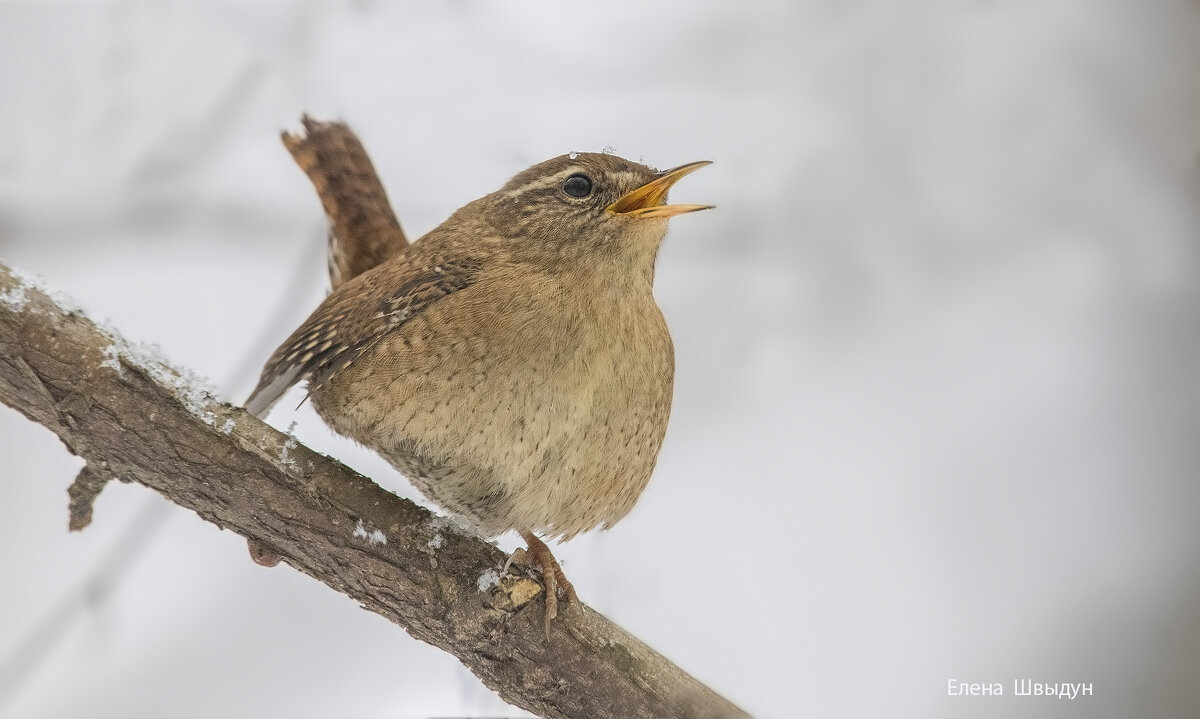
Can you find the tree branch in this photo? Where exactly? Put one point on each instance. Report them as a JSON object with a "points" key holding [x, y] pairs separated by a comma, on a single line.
{"points": [[134, 418]]}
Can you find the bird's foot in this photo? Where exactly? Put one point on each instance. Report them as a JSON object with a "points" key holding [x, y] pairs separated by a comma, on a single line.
{"points": [[540, 556]]}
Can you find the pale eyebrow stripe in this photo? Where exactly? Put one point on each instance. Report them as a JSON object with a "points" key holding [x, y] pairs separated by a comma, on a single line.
{"points": [[553, 180], [541, 183]]}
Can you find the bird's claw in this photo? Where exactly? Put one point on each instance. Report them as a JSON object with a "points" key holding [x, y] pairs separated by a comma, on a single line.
{"points": [[540, 556]]}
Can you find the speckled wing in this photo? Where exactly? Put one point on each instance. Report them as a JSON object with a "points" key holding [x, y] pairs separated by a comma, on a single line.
{"points": [[356, 316]]}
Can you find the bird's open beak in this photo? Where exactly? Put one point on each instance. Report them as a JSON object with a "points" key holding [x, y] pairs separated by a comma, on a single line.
{"points": [[647, 200]]}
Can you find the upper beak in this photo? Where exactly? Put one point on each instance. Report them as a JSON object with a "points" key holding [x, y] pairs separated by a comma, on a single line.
{"points": [[647, 200]]}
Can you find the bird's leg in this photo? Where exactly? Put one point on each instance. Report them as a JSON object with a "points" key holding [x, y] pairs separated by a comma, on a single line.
{"points": [[552, 575]]}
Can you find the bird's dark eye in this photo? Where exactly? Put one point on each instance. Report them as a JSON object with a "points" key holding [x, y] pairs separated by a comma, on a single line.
{"points": [[578, 185]]}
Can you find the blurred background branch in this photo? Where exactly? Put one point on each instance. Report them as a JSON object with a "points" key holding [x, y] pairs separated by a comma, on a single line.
{"points": [[132, 417]]}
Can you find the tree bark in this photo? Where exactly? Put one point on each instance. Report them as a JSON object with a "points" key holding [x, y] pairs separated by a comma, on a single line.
{"points": [[132, 417]]}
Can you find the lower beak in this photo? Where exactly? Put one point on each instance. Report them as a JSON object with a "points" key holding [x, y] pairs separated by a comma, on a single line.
{"points": [[647, 200]]}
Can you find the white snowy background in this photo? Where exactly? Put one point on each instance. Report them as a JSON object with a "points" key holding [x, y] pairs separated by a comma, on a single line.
{"points": [[938, 391]]}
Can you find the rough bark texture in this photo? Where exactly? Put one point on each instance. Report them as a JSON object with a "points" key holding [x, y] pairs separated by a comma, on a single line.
{"points": [[134, 418]]}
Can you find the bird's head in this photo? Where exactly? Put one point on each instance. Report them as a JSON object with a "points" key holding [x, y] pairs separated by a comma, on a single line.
{"points": [[587, 206]]}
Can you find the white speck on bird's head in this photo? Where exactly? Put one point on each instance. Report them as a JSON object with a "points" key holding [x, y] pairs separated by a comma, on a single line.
{"points": [[373, 537], [487, 580], [437, 542], [572, 155]]}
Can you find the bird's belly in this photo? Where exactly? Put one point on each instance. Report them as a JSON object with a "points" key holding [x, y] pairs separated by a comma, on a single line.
{"points": [[557, 448]]}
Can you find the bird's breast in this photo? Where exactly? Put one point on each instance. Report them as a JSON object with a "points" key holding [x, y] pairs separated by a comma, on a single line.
{"points": [[539, 407]]}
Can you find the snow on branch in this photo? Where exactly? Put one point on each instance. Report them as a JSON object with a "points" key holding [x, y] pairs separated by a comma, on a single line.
{"points": [[133, 417]]}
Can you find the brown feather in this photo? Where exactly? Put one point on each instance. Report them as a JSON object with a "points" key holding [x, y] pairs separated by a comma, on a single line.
{"points": [[356, 315], [363, 229]]}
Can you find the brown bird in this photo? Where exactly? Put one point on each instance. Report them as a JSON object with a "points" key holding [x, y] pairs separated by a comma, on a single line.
{"points": [[512, 363]]}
